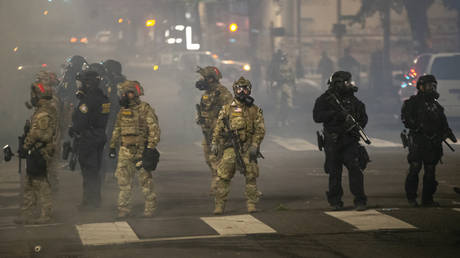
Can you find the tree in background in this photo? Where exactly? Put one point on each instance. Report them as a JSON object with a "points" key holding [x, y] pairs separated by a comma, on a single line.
{"points": [[417, 13], [454, 5]]}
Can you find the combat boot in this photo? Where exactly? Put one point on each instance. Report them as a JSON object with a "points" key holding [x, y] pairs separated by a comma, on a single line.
{"points": [[219, 208], [251, 207], [43, 220], [123, 214]]}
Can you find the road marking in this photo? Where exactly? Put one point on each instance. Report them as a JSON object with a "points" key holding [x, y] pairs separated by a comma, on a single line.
{"points": [[9, 194], [106, 233], [9, 186], [7, 221], [237, 225], [9, 207], [383, 143], [456, 209], [293, 144], [370, 220]]}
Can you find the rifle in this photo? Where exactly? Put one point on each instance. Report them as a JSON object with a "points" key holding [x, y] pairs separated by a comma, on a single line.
{"points": [[71, 149], [236, 144], [355, 124], [21, 151]]}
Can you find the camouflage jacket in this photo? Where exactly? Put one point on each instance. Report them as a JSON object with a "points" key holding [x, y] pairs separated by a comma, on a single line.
{"points": [[211, 103], [42, 129], [136, 125], [248, 121]]}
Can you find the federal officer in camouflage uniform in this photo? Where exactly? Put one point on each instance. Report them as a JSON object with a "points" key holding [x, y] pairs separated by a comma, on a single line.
{"points": [[215, 96], [39, 149], [137, 132], [246, 121], [283, 88]]}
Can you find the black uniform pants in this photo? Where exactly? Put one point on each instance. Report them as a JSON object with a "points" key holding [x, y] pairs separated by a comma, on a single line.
{"points": [[90, 159], [423, 152], [339, 154]]}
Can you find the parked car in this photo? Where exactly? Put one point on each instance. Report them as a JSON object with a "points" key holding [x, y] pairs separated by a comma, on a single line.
{"points": [[446, 68]]}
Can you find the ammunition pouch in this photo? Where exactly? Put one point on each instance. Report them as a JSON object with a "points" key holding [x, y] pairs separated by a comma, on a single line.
{"points": [[36, 164]]}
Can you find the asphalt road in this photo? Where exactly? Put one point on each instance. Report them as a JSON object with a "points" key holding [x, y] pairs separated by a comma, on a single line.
{"points": [[294, 218]]}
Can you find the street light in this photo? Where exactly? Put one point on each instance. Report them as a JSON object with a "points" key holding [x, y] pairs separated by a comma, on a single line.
{"points": [[150, 23], [233, 27]]}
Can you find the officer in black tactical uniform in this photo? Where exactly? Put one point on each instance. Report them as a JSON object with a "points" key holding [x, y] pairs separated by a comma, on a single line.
{"points": [[428, 128], [341, 138], [114, 77], [89, 121]]}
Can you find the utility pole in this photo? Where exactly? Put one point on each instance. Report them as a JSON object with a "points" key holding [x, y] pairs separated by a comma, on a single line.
{"points": [[339, 26]]}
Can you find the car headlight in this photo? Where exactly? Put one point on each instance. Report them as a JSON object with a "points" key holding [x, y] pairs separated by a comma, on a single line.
{"points": [[247, 67]]}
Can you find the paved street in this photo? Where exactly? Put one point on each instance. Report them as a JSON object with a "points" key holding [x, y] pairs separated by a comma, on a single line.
{"points": [[294, 221]]}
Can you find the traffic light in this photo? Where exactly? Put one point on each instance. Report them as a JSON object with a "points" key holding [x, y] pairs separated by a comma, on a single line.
{"points": [[150, 23], [233, 27]]}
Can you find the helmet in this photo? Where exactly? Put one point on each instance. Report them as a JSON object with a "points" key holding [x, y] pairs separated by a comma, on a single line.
{"points": [[77, 62], [41, 90], [425, 79], [112, 66], [242, 82], [89, 78], [47, 78], [97, 67], [339, 76], [210, 72], [133, 86]]}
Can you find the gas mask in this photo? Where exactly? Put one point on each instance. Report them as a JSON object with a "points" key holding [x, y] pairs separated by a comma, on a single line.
{"points": [[124, 101], [242, 95], [202, 84], [429, 90], [345, 87]]}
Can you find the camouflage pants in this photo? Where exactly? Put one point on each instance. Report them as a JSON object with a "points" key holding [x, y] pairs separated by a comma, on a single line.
{"points": [[212, 162], [126, 170], [37, 193], [226, 170]]}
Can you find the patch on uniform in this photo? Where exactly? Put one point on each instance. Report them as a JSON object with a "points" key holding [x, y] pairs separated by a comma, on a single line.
{"points": [[43, 123], [205, 97], [126, 112], [105, 108], [237, 114], [238, 110], [83, 108]]}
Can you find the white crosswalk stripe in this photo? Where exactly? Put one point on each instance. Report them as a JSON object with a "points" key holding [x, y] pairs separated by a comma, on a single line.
{"points": [[383, 143], [237, 225], [106, 233], [370, 220], [298, 144], [293, 144]]}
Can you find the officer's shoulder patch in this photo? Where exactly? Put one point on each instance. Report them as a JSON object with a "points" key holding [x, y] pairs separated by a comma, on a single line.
{"points": [[105, 108], [43, 122], [205, 97], [83, 108]]}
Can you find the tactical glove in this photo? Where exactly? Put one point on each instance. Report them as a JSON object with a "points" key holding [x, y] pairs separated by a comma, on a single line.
{"points": [[253, 151], [112, 153], [150, 158]]}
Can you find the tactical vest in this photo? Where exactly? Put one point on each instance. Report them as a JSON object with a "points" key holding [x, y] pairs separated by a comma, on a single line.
{"points": [[133, 125]]}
